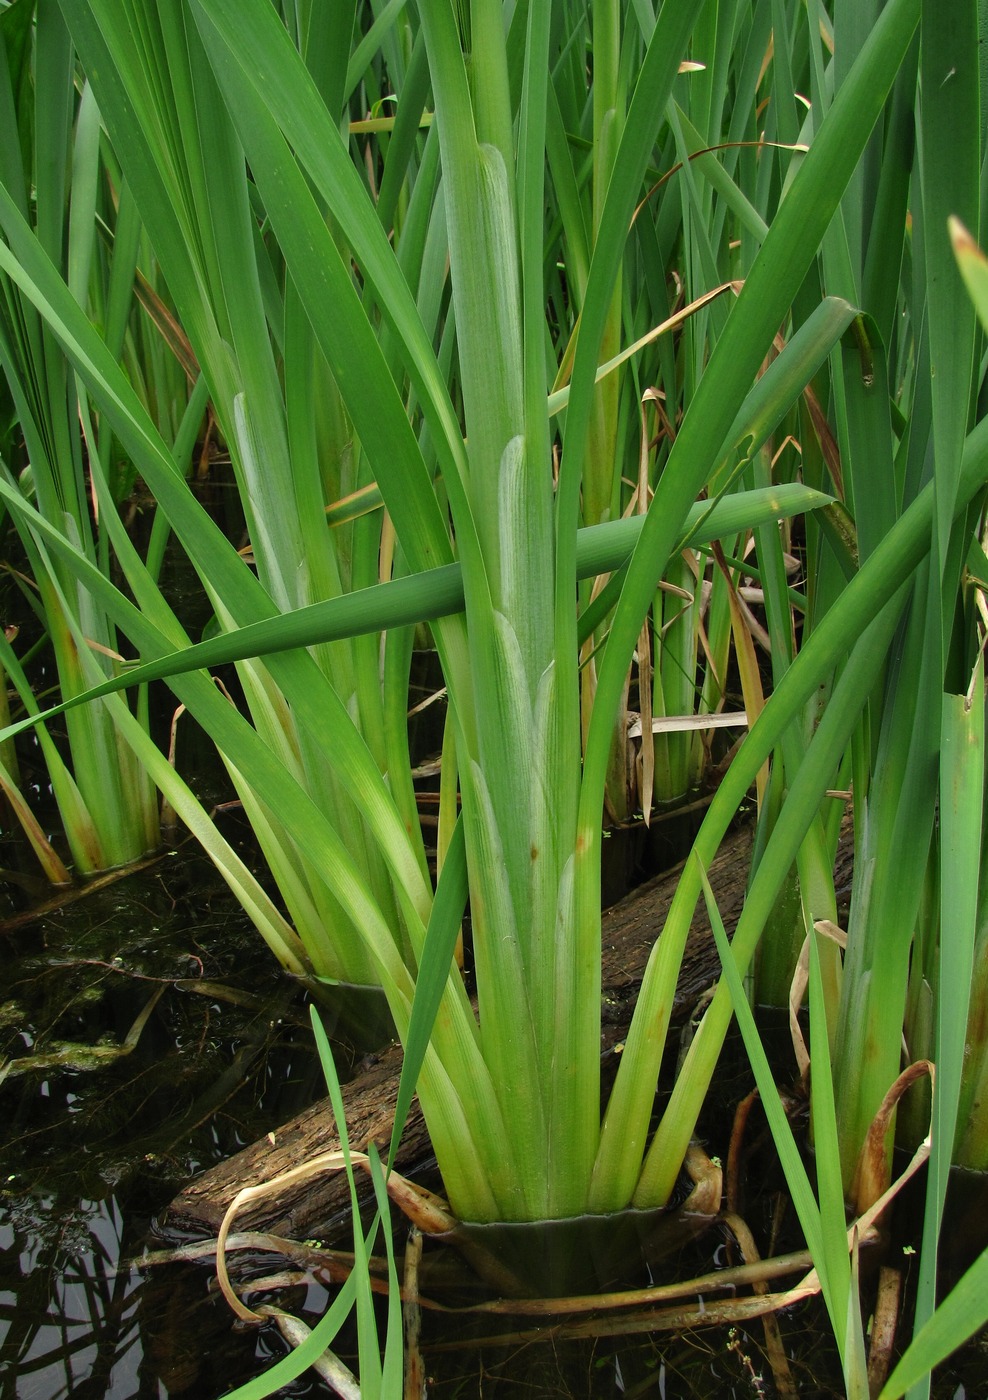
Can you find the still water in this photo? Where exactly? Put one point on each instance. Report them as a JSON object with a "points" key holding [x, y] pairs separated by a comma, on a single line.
{"points": [[93, 1146]]}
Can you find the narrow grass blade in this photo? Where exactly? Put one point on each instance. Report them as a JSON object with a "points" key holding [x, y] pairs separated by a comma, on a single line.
{"points": [[950, 186], [368, 1343], [438, 592], [796, 1178], [301, 1357], [392, 1367], [833, 1266], [435, 965], [774, 281], [858, 621], [962, 1313], [962, 774]]}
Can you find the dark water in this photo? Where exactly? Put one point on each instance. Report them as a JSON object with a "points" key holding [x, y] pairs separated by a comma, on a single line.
{"points": [[91, 1152]]}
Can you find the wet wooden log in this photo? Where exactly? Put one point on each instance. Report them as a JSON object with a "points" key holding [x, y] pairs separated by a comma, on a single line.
{"points": [[630, 929]]}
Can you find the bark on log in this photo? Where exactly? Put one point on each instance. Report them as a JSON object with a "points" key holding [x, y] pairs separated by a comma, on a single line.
{"points": [[630, 928]]}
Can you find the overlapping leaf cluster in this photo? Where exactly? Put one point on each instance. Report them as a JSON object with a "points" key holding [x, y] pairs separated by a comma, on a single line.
{"points": [[415, 308]]}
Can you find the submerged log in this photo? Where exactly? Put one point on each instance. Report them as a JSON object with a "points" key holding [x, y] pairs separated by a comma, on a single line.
{"points": [[630, 929]]}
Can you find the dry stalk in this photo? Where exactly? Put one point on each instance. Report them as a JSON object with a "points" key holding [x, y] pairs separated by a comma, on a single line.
{"points": [[784, 1384], [415, 1387], [883, 1327], [329, 1366], [425, 1209]]}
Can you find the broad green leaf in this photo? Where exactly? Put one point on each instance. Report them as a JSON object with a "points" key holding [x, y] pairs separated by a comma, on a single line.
{"points": [[437, 592], [962, 1313]]}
